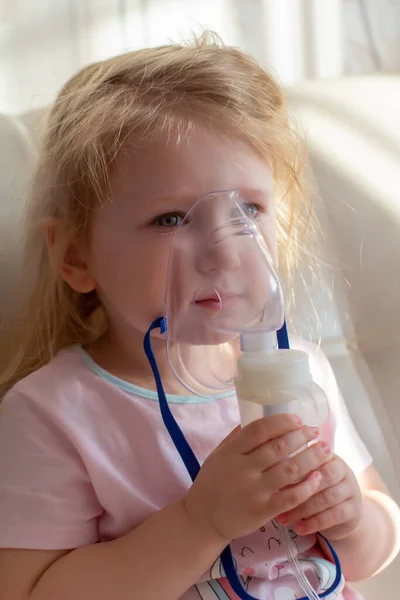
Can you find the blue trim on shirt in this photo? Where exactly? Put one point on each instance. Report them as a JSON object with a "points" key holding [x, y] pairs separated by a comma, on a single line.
{"points": [[131, 388]]}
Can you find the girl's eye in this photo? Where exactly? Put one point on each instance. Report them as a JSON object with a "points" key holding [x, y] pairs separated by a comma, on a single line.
{"points": [[169, 220], [252, 209]]}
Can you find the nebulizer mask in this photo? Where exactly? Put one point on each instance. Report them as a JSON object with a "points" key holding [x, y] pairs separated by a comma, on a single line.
{"points": [[224, 314]]}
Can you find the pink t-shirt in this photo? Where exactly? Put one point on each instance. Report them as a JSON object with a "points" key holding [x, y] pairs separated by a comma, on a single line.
{"points": [[85, 457]]}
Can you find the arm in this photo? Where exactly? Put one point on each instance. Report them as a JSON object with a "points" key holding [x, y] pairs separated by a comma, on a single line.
{"points": [[162, 558], [375, 542], [241, 485]]}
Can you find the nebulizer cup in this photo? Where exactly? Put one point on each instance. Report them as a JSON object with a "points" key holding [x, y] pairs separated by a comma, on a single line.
{"points": [[224, 304], [270, 383]]}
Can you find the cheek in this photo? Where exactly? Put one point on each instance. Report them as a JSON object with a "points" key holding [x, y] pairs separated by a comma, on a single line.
{"points": [[152, 273], [130, 273]]}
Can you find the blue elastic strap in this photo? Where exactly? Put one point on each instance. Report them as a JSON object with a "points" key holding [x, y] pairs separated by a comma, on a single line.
{"points": [[283, 337], [192, 464], [181, 444]]}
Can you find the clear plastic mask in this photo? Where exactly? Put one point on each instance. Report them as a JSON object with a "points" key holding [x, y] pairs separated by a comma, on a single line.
{"points": [[221, 284]]}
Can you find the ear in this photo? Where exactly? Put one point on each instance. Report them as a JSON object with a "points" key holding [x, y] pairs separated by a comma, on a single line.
{"points": [[69, 257]]}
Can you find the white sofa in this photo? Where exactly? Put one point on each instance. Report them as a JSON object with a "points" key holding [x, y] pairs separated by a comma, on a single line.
{"points": [[17, 161], [353, 131]]}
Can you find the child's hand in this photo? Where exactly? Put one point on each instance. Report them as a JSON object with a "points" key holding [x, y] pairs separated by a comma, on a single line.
{"points": [[335, 510], [240, 486]]}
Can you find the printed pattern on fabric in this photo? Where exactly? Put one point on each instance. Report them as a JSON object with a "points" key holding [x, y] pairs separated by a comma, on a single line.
{"points": [[266, 573]]}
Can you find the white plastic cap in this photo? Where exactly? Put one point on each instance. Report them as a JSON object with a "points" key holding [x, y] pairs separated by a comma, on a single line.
{"points": [[261, 374], [257, 341], [287, 368]]}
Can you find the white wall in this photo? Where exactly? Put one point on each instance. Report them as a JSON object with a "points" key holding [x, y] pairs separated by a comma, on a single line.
{"points": [[43, 42], [372, 35]]}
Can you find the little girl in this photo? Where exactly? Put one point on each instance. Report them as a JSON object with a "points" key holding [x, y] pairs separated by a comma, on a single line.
{"points": [[95, 503]]}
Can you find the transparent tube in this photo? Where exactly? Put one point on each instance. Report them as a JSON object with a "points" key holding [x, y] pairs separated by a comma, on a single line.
{"points": [[291, 552]]}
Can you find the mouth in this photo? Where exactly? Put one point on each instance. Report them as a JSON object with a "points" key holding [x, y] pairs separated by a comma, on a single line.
{"points": [[209, 304], [215, 301]]}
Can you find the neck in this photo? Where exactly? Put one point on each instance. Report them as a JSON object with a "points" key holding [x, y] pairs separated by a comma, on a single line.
{"points": [[120, 352]]}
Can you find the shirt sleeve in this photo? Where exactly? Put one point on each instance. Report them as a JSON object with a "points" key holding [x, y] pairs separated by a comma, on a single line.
{"points": [[46, 499], [348, 444]]}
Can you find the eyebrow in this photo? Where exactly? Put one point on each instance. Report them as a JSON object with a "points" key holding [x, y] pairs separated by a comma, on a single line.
{"points": [[157, 202], [259, 193]]}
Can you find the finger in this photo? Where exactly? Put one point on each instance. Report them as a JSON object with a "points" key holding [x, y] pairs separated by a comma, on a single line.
{"points": [[293, 469], [290, 498], [230, 437], [320, 502], [332, 474], [339, 514], [263, 430], [270, 454]]}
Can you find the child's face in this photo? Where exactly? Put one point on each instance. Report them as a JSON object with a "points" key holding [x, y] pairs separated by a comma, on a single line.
{"points": [[153, 188]]}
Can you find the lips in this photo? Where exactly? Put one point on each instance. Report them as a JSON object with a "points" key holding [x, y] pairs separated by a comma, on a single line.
{"points": [[216, 301], [210, 303]]}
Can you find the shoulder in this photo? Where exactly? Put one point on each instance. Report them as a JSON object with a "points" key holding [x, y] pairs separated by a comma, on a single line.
{"points": [[59, 389], [47, 497], [66, 370], [65, 362]]}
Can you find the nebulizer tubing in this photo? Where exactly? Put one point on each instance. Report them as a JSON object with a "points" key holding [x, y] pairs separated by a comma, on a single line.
{"points": [[193, 467], [305, 585]]}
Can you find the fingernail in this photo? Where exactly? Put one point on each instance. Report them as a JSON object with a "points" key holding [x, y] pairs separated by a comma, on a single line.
{"points": [[298, 420], [315, 431], [326, 447], [283, 519]]}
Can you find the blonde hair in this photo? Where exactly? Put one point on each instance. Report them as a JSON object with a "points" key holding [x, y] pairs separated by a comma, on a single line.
{"points": [[137, 94]]}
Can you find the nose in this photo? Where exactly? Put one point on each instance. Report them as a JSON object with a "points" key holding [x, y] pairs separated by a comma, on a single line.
{"points": [[220, 255]]}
